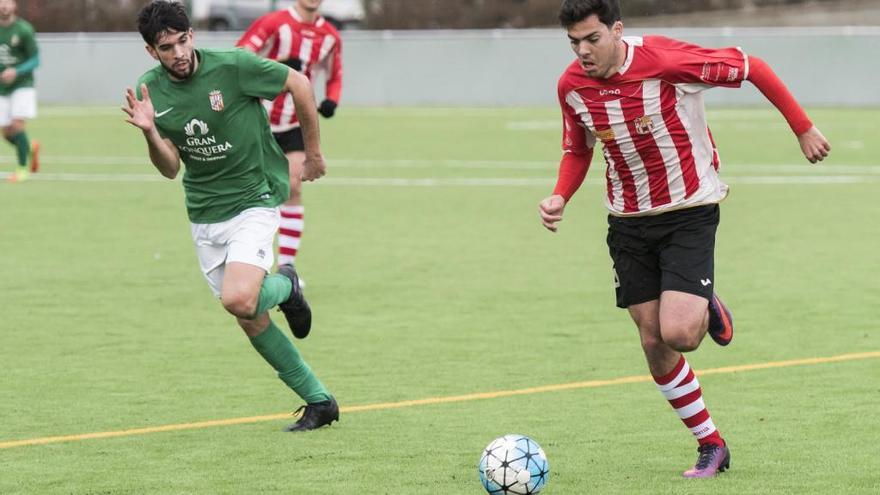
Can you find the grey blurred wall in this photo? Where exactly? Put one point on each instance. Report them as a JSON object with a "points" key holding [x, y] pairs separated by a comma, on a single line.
{"points": [[822, 66]]}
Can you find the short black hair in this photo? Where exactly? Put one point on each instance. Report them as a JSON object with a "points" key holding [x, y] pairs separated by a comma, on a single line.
{"points": [[159, 16], [574, 11]]}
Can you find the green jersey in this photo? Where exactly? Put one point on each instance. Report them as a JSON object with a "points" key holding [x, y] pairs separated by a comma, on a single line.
{"points": [[219, 126], [18, 44]]}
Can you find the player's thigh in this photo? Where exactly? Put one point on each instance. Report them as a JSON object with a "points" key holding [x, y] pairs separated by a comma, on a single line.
{"points": [[687, 256], [5, 111], [681, 313], [636, 267], [23, 104], [246, 238]]}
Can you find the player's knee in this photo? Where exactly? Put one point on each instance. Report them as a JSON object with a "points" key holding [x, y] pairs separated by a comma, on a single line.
{"points": [[651, 340], [239, 304], [681, 338]]}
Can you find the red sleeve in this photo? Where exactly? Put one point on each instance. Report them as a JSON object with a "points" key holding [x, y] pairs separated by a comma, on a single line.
{"points": [[577, 149], [681, 62], [333, 91], [763, 77], [256, 36], [572, 171]]}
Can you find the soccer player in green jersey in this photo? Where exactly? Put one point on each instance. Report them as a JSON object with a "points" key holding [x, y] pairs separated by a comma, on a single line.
{"points": [[18, 98], [203, 107]]}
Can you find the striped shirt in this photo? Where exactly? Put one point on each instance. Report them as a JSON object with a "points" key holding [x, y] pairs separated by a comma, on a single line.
{"points": [[651, 121], [283, 36]]}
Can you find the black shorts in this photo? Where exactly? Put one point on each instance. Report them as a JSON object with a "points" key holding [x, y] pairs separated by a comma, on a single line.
{"points": [[669, 251], [291, 140]]}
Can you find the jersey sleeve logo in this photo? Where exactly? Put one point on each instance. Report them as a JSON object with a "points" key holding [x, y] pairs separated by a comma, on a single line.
{"points": [[216, 98], [718, 72]]}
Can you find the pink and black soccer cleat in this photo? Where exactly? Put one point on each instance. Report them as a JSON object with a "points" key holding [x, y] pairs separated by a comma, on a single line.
{"points": [[720, 321], [712, 460]]}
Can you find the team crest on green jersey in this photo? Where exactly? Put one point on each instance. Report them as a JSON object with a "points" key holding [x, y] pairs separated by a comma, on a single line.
{"points": [[216, 98]]}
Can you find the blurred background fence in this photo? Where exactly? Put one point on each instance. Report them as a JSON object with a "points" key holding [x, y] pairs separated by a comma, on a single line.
{"points": [[507, 67]]}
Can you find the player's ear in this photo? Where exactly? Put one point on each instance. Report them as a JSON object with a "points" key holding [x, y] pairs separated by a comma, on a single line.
{"points": [[152, 52], [617, 29]]}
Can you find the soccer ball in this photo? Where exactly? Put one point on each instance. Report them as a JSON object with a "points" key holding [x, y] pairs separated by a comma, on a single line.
{"points": [[514, 464]]}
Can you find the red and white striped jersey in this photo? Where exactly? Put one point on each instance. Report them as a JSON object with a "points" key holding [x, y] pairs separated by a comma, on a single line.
{"points": [[651, 120], [282, 35]]}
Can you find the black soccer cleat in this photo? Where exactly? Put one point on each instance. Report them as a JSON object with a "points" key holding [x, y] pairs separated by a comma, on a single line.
{"points": [[296, 310], [315, 415]]}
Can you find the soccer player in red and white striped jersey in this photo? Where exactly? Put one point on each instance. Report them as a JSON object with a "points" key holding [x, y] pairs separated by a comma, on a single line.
{"points": [[641, 97], [299, 37]]}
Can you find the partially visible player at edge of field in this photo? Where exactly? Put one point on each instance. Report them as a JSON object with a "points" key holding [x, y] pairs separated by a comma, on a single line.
{"points": [[203, 107], [299, 37], [19, 56], [640, 96]]}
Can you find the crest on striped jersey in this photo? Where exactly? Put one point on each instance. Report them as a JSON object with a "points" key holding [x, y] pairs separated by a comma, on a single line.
{"points": [[644, 124]]}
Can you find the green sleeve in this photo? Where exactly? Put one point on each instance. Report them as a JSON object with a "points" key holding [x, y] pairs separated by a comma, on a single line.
{"points": [[260, 77], [30, 44]]}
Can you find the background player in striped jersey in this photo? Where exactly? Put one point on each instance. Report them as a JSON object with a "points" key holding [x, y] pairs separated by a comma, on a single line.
{"points": [[641, 98], [19, 57], [299, 37]]}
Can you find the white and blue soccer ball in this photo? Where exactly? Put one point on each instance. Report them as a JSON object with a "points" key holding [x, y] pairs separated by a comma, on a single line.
{"points": [[514, 465]]}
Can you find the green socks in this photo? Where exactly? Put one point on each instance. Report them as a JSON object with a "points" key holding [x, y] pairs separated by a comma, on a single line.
{"points": [[22, 147], [275, 289], [279, 352]]}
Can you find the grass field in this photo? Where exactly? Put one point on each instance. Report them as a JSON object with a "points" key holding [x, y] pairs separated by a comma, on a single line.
{"points": [[431, 277]]}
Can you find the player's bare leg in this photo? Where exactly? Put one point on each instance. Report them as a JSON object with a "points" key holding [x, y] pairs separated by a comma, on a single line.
{"points": [[673, 376]]}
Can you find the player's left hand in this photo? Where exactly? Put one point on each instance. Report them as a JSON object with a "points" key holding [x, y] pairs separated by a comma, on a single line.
{"points": [[551, 209], [314, 167], [140, 112], [8, 75], [327, 108], [814, 145]]}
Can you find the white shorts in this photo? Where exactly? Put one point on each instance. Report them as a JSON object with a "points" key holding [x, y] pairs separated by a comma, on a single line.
{"points": [[21, 104], [245, 238]]}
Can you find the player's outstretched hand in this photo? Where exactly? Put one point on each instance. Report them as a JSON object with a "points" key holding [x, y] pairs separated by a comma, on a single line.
{"points": [[551, 209], [814, 145], [314, 167], [140, 112]]}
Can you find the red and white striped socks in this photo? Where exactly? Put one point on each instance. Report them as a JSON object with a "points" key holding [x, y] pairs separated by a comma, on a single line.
{"points": [[682, 390], [290, 233]]}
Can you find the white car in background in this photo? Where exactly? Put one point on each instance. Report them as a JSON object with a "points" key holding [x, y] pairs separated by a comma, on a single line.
{"points": [[237, 15]]}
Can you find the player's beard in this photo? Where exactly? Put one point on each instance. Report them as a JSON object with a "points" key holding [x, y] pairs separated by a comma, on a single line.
{"points": [[187, 72]]}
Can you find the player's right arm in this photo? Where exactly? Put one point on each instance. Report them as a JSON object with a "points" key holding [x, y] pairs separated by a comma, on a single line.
{"points": [[300, 88], [141, 114], [577, 153]]}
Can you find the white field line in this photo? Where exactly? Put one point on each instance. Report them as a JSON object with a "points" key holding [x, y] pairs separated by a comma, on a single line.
{"points": [[793, 168], [460, 181]]}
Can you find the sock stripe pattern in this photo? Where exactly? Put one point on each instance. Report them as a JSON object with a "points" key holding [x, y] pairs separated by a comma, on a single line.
{"points": [[682, 390], [290, 233]]}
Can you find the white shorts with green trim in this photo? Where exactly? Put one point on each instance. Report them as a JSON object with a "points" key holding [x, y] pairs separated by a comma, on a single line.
{"points": [[245, 238], [20, 104]]}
